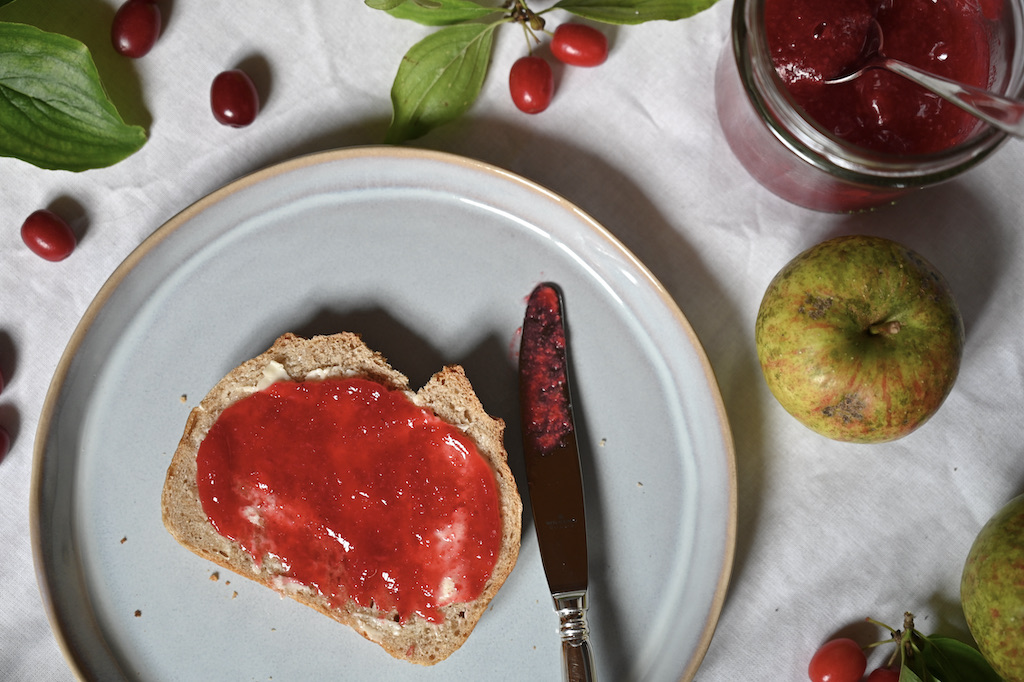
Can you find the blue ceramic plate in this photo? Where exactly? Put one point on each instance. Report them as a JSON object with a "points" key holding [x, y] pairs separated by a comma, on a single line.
{"points": [[430, 258]]}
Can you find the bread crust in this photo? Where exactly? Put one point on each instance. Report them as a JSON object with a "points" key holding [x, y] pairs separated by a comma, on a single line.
{"points": [[451, 397]]}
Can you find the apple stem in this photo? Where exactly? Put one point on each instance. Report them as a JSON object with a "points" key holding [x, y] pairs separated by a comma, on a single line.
{"points": [[886, 328]]}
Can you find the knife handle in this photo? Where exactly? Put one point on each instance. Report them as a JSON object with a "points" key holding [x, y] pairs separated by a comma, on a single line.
{"points": [[577, 657]]}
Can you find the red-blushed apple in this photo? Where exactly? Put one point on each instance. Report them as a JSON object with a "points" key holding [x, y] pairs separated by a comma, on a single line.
{"points": [[992, 590], [860, 339]]}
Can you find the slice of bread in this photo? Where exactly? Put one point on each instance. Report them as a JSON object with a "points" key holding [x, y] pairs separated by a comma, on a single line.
{"points": [[451, 397]]}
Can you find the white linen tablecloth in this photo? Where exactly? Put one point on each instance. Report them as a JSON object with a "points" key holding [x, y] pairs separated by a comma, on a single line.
{"points": [[828, 533]]}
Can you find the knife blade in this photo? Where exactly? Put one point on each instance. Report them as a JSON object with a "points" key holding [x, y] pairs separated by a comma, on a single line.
{"points": [[553, 473]]}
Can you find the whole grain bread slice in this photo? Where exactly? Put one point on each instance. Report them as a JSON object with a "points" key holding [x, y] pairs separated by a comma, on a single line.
{"points": [[451, 397]]}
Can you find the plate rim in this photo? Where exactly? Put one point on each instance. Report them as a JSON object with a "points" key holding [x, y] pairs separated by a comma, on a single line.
{"points": [[48, 412]]}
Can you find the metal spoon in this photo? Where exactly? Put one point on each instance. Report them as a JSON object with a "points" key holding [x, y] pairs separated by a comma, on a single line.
{"points": [[1003, 113]]}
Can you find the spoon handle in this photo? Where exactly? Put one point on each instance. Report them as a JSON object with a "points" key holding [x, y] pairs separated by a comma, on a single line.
{"points": [[1003, 113]]}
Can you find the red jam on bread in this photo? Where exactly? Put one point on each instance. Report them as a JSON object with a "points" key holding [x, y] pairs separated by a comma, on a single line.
{"points": [[812, 41], [356, 491]]}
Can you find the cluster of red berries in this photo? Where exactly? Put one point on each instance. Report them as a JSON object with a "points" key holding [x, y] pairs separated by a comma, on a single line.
{"points": [[233, 97], [842, 660], [531, 81], [133, 32]]}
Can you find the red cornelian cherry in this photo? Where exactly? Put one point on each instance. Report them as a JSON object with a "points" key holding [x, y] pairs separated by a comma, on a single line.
{"points": [[884, 675], [48, 235], [135, 28], [838, 660], [531, 84], [233, 99], [579, 45]]}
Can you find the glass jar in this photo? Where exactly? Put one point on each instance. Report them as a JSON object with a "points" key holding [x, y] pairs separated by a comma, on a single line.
{"points": [[796, 159]]}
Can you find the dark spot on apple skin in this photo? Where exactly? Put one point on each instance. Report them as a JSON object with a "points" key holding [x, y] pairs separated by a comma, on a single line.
{"points": [[815, 307], [849, 409]]}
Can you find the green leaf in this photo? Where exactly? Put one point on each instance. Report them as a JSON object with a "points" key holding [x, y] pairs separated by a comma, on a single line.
{"points": [[633, 11], [913, 666], [908, 675], [439, 79], [443, 12], [383, 4], [950, 660], [54, 112]]}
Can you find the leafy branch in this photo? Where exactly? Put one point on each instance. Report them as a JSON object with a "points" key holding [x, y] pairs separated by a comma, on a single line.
{"points": [[934, 658], [441, 76]]}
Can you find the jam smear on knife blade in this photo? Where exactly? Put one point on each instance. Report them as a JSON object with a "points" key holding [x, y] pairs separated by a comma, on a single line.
{"points": [[545, 404]]}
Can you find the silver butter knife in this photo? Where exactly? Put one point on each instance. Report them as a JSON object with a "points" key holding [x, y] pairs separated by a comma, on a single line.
{"points": [[553, 473]]}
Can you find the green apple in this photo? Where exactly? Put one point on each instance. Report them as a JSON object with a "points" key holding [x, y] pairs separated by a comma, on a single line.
{"points": [[860, 339], [992, 590]]}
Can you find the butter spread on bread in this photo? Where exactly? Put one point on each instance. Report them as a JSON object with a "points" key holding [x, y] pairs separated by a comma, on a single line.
{"points": [[315, 470]]}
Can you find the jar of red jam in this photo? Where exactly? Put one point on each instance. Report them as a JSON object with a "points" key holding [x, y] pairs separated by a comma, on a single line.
{"points": [[863, 143]]}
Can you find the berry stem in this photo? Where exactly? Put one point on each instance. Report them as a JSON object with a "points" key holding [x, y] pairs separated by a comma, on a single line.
{"points": [[897, 638], [881, 625], [527, 33], [518, 11]]}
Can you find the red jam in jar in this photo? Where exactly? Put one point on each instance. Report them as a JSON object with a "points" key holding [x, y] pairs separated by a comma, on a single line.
{"points": [[812, 41], [356, 491], [866, 142]]}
